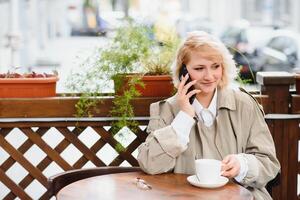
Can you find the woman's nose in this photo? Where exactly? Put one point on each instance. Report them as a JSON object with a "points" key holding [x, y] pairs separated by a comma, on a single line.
{"points": [[208, 74]]}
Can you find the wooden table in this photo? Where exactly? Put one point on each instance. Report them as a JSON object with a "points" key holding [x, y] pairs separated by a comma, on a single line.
{"points": [[165, 186]]}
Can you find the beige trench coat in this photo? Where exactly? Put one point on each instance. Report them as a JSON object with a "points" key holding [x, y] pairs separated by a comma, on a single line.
{"points": [[240, 127]]}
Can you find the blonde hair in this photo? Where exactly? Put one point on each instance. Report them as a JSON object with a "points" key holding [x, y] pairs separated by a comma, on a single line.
{"points": [[212, 49]]}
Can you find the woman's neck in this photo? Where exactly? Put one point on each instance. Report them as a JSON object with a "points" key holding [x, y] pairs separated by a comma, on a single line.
{"points": [[205, 99]]}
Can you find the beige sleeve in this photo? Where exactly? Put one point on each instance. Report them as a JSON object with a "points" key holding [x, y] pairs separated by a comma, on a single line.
{"points": [[260, 152], [158, 153]]}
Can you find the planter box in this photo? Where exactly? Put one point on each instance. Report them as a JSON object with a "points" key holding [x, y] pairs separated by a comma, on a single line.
{"points": [[297, 77], [28, 87], [64, 107], [155, 86]]}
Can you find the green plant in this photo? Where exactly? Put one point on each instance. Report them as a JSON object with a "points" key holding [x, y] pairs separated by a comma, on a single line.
{"points": [[123, 109], [159, 62], [132, 50], [239, 79]]}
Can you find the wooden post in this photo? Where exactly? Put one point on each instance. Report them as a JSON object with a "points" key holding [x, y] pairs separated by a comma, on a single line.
{"points": [[286, 133], [276, 85]]}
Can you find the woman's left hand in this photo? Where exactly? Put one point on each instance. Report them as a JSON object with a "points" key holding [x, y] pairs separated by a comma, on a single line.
{"points": [[230, 167]]}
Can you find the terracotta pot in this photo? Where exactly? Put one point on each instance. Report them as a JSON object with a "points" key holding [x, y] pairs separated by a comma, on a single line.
{"points": [[28, 87], [155, 86], [297, 77], [160, 86]]}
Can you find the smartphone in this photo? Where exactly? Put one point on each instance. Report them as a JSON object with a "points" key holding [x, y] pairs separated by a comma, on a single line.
{"points": [[183, 71]]}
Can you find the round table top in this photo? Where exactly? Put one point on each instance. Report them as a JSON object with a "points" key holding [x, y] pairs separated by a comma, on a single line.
{"points": [[164, 186]]}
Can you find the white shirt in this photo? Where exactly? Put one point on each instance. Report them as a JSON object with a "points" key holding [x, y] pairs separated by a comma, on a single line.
{"points": [[207, 116]]}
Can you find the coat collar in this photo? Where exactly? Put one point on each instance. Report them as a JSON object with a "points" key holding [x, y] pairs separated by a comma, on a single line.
{"points": [[225, 99], [174, 106]]}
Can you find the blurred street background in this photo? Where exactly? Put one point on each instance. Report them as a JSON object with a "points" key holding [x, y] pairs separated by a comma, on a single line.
{"points": [[46, 35]]}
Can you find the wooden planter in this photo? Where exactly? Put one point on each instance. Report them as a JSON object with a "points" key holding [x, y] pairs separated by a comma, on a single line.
{"points": [[27, 87], [297, 77], [155, 86]]}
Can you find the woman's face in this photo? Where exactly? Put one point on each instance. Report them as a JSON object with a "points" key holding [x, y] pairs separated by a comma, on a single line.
{"points": [[207, 73]]}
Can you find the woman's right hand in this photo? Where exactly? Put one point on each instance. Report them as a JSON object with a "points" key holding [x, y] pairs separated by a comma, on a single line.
{"points": [[183, 96]]}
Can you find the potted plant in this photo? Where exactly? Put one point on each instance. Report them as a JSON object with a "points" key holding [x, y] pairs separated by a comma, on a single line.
{"points": [[132, 58], [28, 85], [156, 78]]}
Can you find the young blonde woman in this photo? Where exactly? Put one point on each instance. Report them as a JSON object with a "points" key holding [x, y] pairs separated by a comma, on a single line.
{"points": [[220, 123]]}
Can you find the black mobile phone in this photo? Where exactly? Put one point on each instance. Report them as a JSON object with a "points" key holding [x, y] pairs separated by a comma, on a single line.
{"points": [[183, 71]]}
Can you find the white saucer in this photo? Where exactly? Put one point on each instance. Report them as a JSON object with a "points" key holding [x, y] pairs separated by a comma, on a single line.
{"points": [[194, 181]]}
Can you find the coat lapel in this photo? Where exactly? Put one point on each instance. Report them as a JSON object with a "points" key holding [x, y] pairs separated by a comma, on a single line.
{"points": [[174, 106], [225, 102]]}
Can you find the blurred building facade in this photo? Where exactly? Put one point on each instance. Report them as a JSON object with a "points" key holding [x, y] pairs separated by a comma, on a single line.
{"points": [[27, 25]]}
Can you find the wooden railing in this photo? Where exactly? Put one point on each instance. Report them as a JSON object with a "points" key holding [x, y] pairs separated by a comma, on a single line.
{"points": [[70, 137], [36, 120], [286, 134]]}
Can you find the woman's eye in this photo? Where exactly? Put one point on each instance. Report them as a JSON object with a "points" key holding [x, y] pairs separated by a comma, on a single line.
{"points": [[216, 66], [198, 68]]}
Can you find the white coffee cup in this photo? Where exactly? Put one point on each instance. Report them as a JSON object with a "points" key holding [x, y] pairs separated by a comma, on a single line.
{"points": [[208, 170]]}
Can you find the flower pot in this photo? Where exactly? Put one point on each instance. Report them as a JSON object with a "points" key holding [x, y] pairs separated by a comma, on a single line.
{"points": [[155, 86], [297, 77], [28, 87]]}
